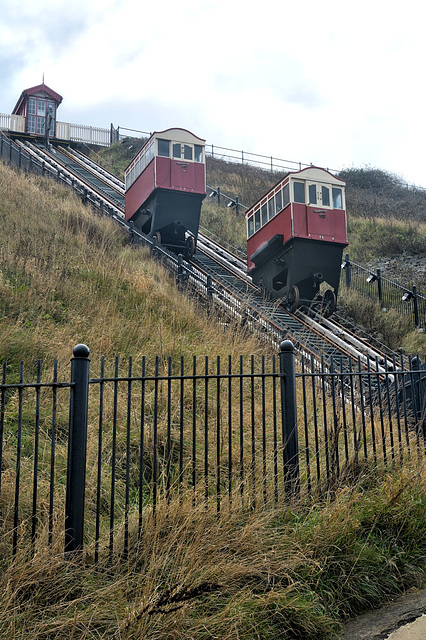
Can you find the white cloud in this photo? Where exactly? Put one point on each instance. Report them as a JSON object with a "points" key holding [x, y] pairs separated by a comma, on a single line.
{"points": [[324, 82]]}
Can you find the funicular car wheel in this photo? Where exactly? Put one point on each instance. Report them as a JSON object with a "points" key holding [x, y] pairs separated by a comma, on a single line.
{"points": [[293, 299], [328, 303]]}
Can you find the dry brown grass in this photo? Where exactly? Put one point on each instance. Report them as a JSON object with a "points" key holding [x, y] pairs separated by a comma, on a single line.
{"points": [[276, 573]]}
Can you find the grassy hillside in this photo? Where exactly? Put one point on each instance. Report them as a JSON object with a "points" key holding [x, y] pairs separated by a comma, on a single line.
{"points": [[68, 276]]}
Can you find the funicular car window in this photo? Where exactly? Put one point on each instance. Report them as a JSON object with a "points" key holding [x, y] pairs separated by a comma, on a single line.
{"points": [[299, 191], [271, 208], [264, 214], [257, 220], [164, 148], [187, 152], [312, 193], [286, 195], [337, 198], [250, 226], [198, 153], [325, 191], [176, 150], [278, 201]]}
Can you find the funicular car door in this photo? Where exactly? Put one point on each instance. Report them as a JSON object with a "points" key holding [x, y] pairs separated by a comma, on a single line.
{"points": [[320, 214], [182, 173]]}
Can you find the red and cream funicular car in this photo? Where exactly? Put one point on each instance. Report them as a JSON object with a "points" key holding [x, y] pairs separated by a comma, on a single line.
{"points": [[296, 234], [165, 186]]}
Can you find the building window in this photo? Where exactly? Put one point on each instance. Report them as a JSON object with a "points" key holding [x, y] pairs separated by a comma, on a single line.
{"points": [[38, 109], [31, 124], [40, 126]]}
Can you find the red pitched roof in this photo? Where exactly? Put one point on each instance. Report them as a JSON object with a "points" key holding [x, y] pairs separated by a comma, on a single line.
{"points": [[40, 87]]}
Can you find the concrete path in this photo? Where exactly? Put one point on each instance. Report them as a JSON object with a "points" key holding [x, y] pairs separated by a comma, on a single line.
{"points": [[378, 625], [413, 631]]}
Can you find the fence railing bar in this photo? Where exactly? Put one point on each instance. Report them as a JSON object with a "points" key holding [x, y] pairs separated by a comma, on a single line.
{"points": [[253, 431], [128, 437], [169, 426], [99, 461], [141, 449], [206, 430], [53, 450], [218, 435], [18, 461], [264, 477], [275, 430], [241, 430], [35, 462], [181, 423], [2, 412], [194, 428], [113, 465], [230, 433]]}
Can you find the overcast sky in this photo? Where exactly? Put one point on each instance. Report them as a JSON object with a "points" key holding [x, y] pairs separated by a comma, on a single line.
{"points": [[339, 84]]}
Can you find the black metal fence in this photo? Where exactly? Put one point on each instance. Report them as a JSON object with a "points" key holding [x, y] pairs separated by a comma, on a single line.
{"points": [[390, 295], [88, 460]]}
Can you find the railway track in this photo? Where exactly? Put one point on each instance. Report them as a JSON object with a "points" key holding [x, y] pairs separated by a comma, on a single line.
{"points": [[219, 272]]}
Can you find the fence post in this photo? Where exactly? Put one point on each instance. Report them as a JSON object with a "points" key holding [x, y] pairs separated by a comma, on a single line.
{"points": [[77, 444], [416, 307], [379, 287], [348, 273], [209, 286], [180, 274], [289, 419]]}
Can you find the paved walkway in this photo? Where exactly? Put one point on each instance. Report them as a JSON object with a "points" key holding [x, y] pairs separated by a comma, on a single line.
{"points": [[390, 619], [413, 631]]}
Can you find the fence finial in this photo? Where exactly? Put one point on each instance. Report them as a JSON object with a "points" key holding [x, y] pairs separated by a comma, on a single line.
{"points": [[81, 351]]}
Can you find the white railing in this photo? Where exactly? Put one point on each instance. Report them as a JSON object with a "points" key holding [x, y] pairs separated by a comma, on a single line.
{"points": [[5, 121], [64, 130], [90, 135], [12, 123]]}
